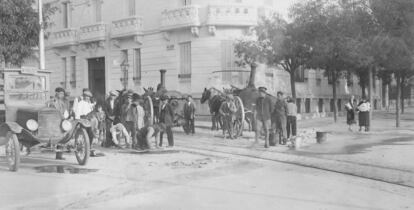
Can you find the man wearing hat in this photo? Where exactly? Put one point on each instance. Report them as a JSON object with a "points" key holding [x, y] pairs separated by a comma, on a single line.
{"points": [[128, 116], [279, 116], [227, 110], [263, 111], [189, 113], [84, 106], [167, 118], [111, 118]]}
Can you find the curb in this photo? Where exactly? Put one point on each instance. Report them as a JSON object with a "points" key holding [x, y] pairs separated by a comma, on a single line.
{"points": [[389, 175]]}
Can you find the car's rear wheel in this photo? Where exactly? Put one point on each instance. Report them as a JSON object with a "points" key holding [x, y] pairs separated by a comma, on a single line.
{"points": [[12, 151], [82, 146]]}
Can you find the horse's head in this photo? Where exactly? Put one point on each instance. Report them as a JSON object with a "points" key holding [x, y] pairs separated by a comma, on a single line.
{"points": [[205, 96]]}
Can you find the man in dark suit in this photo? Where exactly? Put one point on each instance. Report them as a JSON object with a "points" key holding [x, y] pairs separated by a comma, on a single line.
{"points": [[167, 118], [109, 107], [189, 113]]}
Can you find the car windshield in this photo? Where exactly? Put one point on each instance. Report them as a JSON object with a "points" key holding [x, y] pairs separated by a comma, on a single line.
{"points": [[28, 83], [29, 88]]}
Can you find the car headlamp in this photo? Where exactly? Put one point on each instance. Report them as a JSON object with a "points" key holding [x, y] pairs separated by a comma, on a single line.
{"points": [[66, 125], [32, 125], [66, 114]]}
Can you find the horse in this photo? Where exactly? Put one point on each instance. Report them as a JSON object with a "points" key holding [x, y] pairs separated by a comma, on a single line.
{"points": [[215, 99]]}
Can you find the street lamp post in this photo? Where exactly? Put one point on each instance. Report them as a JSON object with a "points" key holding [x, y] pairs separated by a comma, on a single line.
{"points": [[41, 37], [124, 79]]}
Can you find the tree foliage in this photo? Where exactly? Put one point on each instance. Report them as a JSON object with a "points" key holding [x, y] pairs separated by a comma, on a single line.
{"points": [[19, 29], [251, 52], [285, 45]]}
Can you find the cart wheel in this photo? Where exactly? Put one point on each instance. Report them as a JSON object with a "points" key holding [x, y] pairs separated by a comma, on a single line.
{"points": [[12, 151], [240, 115], [82, 146]]}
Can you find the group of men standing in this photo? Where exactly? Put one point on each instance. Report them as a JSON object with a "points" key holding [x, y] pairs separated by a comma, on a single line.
{"points": [[129, 117], [274, 118], [122, 115]]}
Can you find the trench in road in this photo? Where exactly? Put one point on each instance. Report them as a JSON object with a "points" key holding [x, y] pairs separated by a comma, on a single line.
{"points": [[214, 147]]}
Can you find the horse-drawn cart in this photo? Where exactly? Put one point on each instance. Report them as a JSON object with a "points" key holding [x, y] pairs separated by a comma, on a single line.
{"points": [[176, 100], [215, 98]]}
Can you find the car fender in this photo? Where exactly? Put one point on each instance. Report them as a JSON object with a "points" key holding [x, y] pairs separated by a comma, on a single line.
{"points": [[10, 126], [83, 123]]}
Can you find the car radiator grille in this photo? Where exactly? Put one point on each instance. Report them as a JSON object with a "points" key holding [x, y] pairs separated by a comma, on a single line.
{"points": [[49, 124]]}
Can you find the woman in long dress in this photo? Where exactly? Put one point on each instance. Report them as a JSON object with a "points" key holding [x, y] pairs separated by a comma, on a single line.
{"points": [[350, 113], [363, 116]]}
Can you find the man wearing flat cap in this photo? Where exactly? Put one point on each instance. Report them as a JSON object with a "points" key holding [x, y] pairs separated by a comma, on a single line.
{"points": [[110, 104], [127, 118], [262, 114], [167, 118], [279, 116], [84, 106], [111, 118]]}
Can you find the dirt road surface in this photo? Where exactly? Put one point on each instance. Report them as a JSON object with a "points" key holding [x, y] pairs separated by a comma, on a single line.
{"points": [[171, 179]]}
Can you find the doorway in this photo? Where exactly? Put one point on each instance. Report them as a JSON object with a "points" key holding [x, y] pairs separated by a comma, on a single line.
{"points": [[96, 75]]}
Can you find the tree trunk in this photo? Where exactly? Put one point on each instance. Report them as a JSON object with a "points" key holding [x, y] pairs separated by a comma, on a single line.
{"points": [[335, 105], [363, 88], [386, 96], [370, 97], [293, 85], [402, 95], [397, 101], [252, 76]]}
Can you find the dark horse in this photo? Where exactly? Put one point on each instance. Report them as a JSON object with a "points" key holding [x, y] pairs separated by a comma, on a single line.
{"points": [[215, 99]]}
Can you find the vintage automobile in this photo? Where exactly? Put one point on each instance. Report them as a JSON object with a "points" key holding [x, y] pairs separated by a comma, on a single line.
{"points": [[30, 122]]}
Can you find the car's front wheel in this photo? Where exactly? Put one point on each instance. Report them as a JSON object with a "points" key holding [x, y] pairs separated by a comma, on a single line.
{"points": [[12, 151], [82, 146]]}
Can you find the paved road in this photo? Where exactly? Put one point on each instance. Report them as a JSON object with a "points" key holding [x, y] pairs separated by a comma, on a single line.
{"points": [[180, 180]]}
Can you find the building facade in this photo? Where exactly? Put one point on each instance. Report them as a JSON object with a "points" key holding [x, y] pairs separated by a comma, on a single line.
{"points": [[111, 44]]}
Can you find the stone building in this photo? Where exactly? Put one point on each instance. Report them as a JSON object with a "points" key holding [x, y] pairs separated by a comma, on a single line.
{"points": [[111, 44]]}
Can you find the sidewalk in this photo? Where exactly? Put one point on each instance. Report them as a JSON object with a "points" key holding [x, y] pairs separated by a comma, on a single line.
{"points": [[384, 153]]}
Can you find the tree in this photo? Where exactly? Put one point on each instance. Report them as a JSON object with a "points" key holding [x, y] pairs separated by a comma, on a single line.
{"points": [[251, 52], [285, 46], [19, 29], [326, 28], [396, 18]]}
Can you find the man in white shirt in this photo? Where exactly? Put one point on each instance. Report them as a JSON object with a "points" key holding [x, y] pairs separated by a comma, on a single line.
{"points": [[84, 106]]}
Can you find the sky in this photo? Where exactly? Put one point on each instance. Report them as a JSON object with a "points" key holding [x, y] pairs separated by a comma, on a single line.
{"points": [[282, 6]]}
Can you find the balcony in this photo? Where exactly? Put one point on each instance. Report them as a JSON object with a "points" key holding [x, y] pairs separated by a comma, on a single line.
{"points": [[182, 17], [92, 33], [231, 15], [65, 37], [126, 27]]}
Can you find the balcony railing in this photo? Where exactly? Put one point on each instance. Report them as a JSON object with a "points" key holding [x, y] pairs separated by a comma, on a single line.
{"points": [[180, 18], [64, 37], [130, 26], [232, 15], [91, 33]]}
